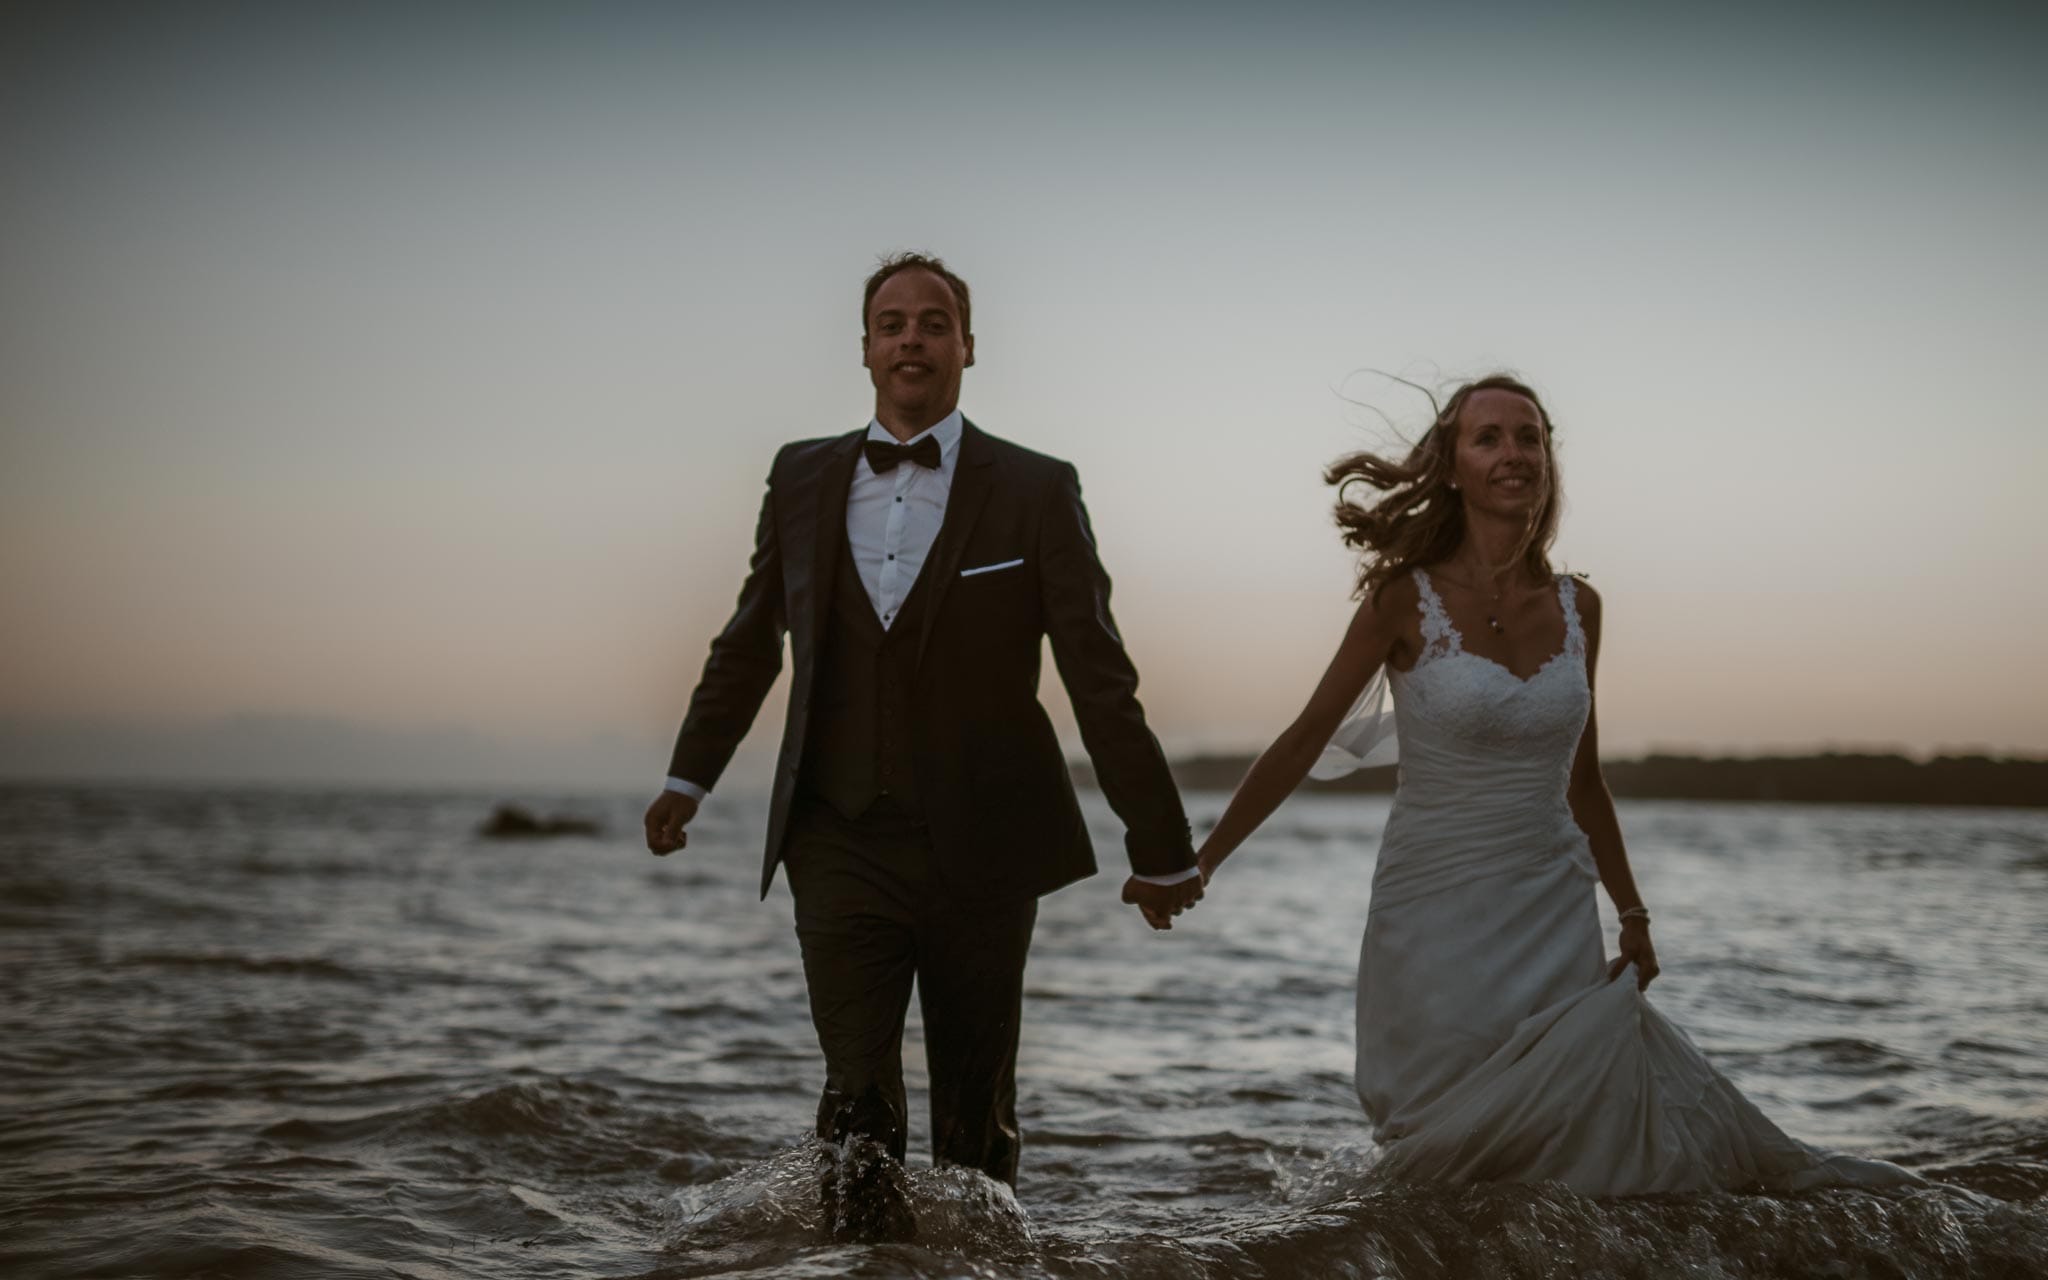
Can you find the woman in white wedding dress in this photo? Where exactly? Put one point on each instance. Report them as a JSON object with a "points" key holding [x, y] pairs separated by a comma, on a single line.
{"points": [[1496, 1041]]}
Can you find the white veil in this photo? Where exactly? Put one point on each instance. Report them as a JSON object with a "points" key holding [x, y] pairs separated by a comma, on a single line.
{"points": [[1366, 737]]}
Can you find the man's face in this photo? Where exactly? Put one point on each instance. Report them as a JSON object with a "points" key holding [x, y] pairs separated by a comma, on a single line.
{"points": [[915, 348]]}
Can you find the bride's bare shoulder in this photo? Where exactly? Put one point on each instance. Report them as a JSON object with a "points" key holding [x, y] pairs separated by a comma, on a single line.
{"points": [[1392, 602], [1588, 599], [1389, 615], [1401, 596], [1590, 607]]}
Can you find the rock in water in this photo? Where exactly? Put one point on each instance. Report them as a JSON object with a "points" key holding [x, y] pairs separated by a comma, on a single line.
{"points": [[511, 822]]}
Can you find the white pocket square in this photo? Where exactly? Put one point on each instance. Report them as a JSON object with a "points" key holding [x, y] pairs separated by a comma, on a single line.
{"points": [[991, 568]]}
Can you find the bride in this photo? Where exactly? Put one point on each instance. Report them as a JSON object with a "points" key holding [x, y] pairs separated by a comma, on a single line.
{"points": [[1496, 1041]]}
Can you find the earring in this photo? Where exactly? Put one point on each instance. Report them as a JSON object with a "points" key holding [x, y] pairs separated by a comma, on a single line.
{"points": [[1454, 486]]}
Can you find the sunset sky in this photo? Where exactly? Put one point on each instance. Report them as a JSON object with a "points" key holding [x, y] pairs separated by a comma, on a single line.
{"points": [[407, 380]]}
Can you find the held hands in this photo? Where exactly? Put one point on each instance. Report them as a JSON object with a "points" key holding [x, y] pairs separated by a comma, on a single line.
{"points": [[1635, 950], [666, 818], [1159, 903]]}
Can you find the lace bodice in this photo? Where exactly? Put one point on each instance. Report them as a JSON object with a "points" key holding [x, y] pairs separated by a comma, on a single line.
{"points": [[1453, 696], [1440, 638], [1486, 757]]}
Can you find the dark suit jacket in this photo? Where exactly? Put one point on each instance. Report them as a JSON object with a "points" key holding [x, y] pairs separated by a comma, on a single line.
{"points": [[990, 774]]}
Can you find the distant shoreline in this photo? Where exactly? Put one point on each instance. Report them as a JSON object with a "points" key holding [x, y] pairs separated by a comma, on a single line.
{"points": [[1828, 778]]}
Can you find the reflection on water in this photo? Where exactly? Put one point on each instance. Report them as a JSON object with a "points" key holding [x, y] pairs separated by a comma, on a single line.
{"points": [[326, 1033]]}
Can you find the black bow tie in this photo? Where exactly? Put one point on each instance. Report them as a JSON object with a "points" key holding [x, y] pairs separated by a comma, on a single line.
{"points": [[884, 457]]}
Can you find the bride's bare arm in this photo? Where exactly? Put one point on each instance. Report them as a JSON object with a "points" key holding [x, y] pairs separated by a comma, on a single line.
{"points": [[1371, 638], [1593, 809]]}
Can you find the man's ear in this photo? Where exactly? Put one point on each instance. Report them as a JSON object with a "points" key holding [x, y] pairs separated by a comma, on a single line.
{"points": [[970, 353]]}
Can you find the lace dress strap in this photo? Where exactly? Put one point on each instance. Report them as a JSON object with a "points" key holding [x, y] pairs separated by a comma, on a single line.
{"points": [[1439, 637], [1574, 631]]}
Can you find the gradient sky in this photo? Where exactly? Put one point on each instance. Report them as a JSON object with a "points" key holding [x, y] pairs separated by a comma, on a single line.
{"points": [[421, 372]]}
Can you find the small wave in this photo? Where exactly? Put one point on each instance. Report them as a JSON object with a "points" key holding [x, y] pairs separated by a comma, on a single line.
{"points": [[1868, 957], [1248, 1094], [240, 1085], [1336, 1218], [775, 1203], [1967, 1045], [774, 1200], [545, 1125], [1815, 995], [264, 865], [2015, 1180], [59, 904], [1845, 1055], [207, 1247], [1881, 1097], [1963, 1137], [1414, 1231], [32, 896], [723, 1012], [232, 962]]}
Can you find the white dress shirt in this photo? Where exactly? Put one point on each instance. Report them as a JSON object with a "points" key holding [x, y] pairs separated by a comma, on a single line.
{"points": [[892, 520]]}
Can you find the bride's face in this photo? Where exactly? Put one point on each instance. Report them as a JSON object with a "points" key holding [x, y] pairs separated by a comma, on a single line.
{"points": [[1502, 466]]}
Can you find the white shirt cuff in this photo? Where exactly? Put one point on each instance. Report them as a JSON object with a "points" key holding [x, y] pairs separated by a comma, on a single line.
{"points": [[687, 787], [1178, 877]]}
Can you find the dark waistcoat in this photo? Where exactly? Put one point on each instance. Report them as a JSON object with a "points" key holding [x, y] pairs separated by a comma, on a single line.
{"points": [[858, 745]]}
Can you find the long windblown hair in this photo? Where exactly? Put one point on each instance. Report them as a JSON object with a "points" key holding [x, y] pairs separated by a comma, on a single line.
{"points": [[1419, 518]]}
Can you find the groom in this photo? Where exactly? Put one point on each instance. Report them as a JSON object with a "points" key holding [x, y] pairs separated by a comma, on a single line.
{"points": [[921, 802]]}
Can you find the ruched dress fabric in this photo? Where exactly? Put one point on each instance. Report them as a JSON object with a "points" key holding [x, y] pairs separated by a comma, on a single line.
{"points": [[1491, 1045]]}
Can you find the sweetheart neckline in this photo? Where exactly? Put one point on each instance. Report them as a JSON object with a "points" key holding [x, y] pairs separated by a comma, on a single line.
{"points": [[1453, 640], [1461, 652]]}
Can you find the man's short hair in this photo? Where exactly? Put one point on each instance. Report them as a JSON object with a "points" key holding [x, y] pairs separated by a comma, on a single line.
{"points": [[900, 262]]}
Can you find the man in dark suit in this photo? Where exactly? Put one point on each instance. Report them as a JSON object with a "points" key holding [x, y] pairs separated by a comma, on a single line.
{"points": [[921, 802]]}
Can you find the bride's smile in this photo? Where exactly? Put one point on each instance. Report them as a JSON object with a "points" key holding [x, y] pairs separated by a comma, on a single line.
{"points": [[1502, 458]]}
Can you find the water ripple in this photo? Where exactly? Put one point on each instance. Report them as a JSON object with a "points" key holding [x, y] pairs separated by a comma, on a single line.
{"points": [[323, 1033]]}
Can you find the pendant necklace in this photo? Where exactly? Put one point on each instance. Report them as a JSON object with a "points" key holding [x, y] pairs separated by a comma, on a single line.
{"points": [[1493, 610]]}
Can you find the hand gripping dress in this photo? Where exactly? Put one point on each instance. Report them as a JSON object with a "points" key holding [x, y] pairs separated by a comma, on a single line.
{"points": [[1491, 1046]]}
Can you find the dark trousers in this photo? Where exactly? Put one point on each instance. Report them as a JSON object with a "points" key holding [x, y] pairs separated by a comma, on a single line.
{"points": [[871, 917]]}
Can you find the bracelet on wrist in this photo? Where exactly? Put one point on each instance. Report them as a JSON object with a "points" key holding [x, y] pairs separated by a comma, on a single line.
{"points": [[1636, 913]]}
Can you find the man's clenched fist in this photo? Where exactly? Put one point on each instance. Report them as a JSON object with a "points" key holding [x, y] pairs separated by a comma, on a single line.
{"points": [[666, 818]]}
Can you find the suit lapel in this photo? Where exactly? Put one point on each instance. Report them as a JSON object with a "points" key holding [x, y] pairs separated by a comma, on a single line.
{"points": [[972, 480], [835, 478]]}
